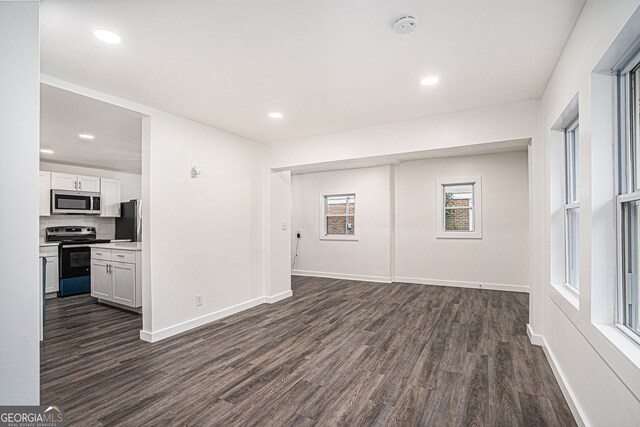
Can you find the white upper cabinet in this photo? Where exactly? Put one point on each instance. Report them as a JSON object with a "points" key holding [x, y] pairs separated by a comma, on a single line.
{"points": [[110, 197], [89, 183], [45, 193], [65, 181]]}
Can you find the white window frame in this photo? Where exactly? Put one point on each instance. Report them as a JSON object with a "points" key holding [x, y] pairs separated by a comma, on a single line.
{"points": [[571, 203], [323, 216], [625, 186], [476, 183]]}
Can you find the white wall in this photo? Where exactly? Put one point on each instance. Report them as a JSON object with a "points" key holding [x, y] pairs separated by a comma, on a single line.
{"points": [[130, 188], [599, 365], [277, 275], [500, 259], [19, 182], [396, 206], [462, 129], [205, 233], [368, 258]]}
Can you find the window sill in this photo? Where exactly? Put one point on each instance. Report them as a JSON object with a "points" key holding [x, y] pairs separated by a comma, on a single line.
{"points": [[338, 237], [623, 342], [459, 235], [614, 347], [568, 294]]}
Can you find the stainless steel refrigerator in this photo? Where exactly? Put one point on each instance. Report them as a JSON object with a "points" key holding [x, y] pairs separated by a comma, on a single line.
{"points": [[129, 225]]}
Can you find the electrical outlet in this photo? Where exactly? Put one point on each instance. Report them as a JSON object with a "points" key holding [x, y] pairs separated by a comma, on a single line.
{"points": [[198, 299], [284, 225]]}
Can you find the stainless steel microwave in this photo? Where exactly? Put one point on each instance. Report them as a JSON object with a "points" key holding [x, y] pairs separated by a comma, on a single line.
{"points": [[75, 202]]}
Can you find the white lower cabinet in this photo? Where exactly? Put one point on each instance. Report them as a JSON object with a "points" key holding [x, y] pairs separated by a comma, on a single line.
{"points": [[115, 281], [52, 274], [51, 268], [124, 283], [101, 286]]}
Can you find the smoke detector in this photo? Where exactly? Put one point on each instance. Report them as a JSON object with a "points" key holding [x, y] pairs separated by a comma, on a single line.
{"points": [[405, 24]]}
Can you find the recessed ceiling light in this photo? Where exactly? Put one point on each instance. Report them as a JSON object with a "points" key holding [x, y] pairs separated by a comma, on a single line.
{"points": [[107, 36], [86, 136], [46, 151], [275, 115], [428, 81]]}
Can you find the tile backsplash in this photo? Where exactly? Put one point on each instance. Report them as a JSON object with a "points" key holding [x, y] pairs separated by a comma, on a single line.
{"points": [[105, 227]]}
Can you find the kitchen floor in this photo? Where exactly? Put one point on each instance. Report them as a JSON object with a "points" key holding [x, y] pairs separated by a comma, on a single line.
{"points": [[338, 352]]}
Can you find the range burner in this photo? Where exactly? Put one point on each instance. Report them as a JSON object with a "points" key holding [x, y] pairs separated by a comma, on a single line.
{"points": [[71, 234], [83, 241]]}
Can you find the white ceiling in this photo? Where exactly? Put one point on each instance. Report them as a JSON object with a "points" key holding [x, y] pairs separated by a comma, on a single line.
{"points": [[327, 65], [118, 132], [394, 159]]}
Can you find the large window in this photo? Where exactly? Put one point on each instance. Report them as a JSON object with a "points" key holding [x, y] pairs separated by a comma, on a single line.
{"points": [[458, 205], [628, 202], [339, 215], [572, 205]]}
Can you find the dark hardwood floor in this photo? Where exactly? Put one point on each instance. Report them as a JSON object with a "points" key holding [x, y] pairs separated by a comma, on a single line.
{"points": [[337, 353]]}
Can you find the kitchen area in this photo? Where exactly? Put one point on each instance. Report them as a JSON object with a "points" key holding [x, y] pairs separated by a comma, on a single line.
{"points": [[90, 203]]}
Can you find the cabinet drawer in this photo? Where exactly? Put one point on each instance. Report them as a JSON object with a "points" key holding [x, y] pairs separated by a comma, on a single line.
{"points": [[98, 253], [123, 256], [49, 250]]}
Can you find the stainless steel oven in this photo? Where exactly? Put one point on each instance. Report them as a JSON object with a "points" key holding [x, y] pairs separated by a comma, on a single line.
{"points": [[75, 260], [74, 257], [75, 202]]}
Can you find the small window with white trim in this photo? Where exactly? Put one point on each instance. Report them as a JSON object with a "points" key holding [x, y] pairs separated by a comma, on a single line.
{"points": [[459, 208], [339, 215], [572, 205]]}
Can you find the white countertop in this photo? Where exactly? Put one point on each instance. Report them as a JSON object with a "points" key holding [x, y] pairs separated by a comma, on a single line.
{"points": [[124, 246], [49, 244], [42, 255]]}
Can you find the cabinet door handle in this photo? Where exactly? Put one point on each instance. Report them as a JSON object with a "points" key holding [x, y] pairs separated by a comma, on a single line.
{"points": [[80, 184], [75, 184], [120, 256], [107, 268]]}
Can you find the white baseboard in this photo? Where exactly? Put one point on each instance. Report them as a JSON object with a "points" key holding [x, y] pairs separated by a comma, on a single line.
{"points": [[358, 277], [207, 318], [567, 392], [278, 297], [460, 284], [146, 336], [534, 338]]}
